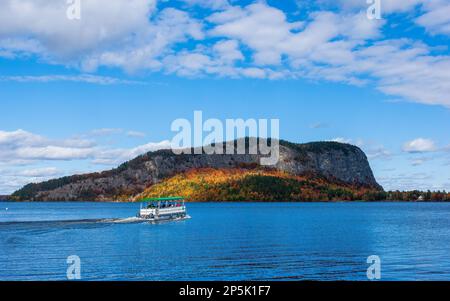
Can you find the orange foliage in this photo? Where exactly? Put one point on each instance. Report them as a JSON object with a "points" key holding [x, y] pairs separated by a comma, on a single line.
{"points": [[241, 184]]}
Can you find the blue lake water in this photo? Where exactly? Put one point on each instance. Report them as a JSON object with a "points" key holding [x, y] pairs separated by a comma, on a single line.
{"points": [[227, 241]]}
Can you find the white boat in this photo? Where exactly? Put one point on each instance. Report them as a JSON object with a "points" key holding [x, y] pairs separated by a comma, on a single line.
{"points": [[156, 209]]}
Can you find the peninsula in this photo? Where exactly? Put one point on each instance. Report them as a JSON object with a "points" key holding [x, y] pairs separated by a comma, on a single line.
{"points": [[317, 171]]}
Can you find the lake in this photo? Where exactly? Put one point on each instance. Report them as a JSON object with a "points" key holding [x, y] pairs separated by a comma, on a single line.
{"points": [[227, 241]]}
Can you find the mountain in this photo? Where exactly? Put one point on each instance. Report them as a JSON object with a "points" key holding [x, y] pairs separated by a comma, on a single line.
{"points": [[332, 162]]}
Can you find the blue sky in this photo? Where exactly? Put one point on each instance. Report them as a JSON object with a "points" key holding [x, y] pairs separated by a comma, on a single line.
{"points": [[85, 95]]}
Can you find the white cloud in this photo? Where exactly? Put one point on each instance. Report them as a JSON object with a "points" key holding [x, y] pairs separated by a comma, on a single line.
{"points": [[115, 131], [373, 151], [341, 140], [76, 143], [254, 72], [82, 78], [45, 22], [13, 179], [17, 47], [19, 137], [417, 162], [117, 156], [10, 184], [266, 30], [261, 27], [413, 181], [419, 145], [213, 4], [188, 63], [22, 146], [121, 33], [397, 67], [106, 131], [432, 14], [145, 51], [39, 172], [387, 6], [333, 47], [228, 51], [437, 19], [19, 150], [136, 134], [53, 153], [255, 41], [378, 153], [357, 142]]}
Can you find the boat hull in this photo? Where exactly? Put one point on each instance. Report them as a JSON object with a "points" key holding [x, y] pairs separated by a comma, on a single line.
{"points": [[164, 218]]}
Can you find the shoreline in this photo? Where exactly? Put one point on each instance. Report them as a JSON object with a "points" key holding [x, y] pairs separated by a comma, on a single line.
{"points": [[231, 202]]}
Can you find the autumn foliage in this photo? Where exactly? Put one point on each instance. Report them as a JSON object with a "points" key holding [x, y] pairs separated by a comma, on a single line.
{"points": [[260, 185]]}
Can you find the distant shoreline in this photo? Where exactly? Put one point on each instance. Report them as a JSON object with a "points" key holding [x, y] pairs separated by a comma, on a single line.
{"points": [[224, 202]]}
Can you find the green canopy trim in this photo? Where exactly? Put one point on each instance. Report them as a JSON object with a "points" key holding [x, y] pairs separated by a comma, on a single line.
{"points": [[169, 199]]}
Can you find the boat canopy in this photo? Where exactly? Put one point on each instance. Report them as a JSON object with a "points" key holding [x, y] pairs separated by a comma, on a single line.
{"points": [[167, 199]]}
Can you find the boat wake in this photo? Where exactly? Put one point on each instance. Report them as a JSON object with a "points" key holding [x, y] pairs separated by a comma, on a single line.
{"points": [[104, 221]]}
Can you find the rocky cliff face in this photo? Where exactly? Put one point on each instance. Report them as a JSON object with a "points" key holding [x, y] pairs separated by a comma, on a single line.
{"points": [[331, 160]]}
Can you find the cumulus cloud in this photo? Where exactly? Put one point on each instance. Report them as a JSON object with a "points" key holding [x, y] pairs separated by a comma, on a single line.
{"points": [[267, 31], [117, 156], [433, 15], [39, 172], [15, 178], [45, 21], [261, 27], [397, 67], [146, 50], [9, 184], [334, 47], [24, 146], [19, 137], [102, 37], [21, 145], [228, 51], [437, 19], [419, 145], [22, 151], [332, 41]]}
